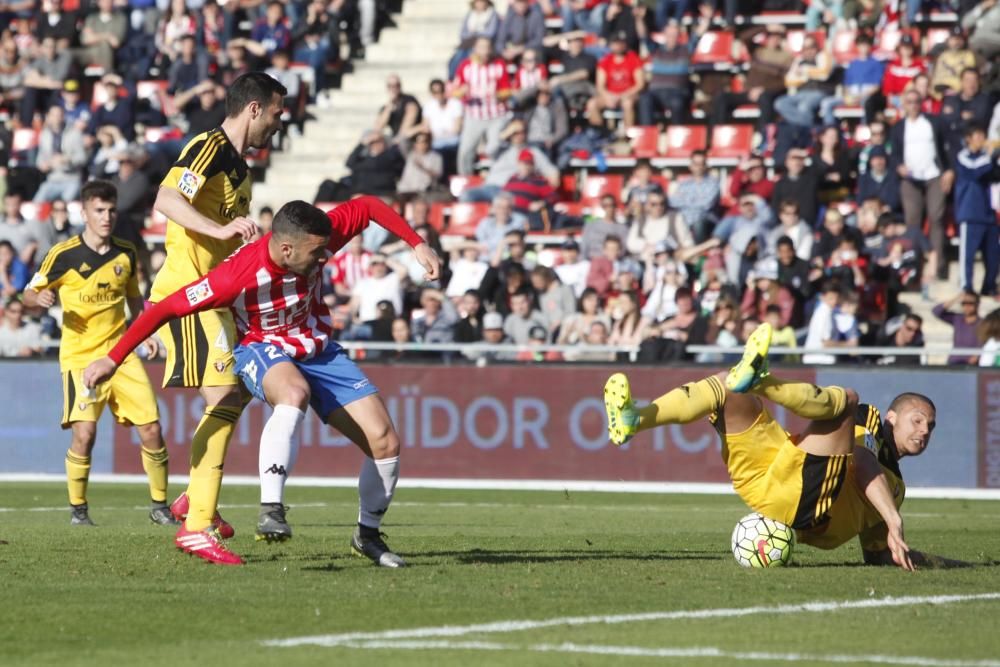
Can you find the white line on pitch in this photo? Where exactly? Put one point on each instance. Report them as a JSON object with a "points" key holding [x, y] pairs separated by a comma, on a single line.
{"points": [[672, 652], [502, 627]]}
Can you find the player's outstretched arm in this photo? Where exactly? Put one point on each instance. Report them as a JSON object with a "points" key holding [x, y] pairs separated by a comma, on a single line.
{"points": [[870, 478], [173, 204]]}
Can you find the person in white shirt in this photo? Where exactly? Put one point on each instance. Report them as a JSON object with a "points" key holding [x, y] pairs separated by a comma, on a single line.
{"points": [[383, 284], [572, 270], [18, 338], [821, 325], [792, 226], [443, 117], [467, 270], [658, 225]]}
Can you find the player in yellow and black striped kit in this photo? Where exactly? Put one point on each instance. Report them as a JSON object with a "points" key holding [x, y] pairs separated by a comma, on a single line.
{"points": [[206, 198], [95, 275], [838, 479]]}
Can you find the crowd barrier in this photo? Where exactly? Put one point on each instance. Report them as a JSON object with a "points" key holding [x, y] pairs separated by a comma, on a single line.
{"points": [[510, 422]]}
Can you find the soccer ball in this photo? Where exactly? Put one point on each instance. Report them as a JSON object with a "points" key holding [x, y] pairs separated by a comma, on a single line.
{"points": [[762, 542]]}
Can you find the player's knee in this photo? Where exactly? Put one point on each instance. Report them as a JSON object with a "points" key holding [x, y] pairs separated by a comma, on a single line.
{"points": [[384, 442], [151, 435], [295, 394], [84, 435]]}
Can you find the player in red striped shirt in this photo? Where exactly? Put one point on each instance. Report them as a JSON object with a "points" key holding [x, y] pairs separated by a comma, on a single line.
{"points": [[286, 357]]}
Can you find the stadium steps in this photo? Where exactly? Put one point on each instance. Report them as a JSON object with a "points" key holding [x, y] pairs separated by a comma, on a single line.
{"points": [[418, 49]]}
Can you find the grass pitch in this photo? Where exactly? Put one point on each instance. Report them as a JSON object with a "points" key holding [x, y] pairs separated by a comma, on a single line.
{"points": [[514, 564]]}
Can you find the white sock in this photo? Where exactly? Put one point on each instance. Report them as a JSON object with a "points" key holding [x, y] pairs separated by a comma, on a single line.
{"points": [[279, 445], [376, 484]]}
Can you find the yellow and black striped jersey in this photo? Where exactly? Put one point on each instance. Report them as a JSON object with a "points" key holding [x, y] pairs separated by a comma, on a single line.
{"points": [[92, 288], [212, 175]]}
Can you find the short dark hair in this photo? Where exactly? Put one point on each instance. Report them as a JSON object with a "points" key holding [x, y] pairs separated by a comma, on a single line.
{"points": [[830, 286], [910, 397], [773, 308], [972, 128], [436, 82], [788, 203], [968, 70], [251, 87], [99, 189], [700, 153], [916, 318], [786, 240], [266, 209], [298, 218]]}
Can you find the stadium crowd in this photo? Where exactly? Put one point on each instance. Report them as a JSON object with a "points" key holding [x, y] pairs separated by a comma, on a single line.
{"points": [[649, 174]]}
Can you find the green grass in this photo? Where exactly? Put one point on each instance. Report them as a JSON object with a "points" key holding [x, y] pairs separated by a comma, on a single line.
{"points": [[120, 594]]}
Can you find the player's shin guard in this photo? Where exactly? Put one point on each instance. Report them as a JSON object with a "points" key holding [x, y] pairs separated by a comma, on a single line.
{"points": [[685, 404], [279, 446], [77, 476], [376, 485], [804, 399], [208, 453], [154, 462]]}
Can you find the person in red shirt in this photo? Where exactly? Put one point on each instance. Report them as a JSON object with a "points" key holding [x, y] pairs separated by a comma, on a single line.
{"points": [[901, 71], [286, 356], [750, 178], [532, 193], [620, 79]]}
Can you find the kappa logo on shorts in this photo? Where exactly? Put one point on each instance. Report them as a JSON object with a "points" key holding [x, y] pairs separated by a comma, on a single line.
{"points": [[198, 292], [189, 183], [360, 385]]}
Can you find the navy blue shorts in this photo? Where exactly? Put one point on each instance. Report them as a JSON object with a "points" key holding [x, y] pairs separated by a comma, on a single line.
{"points": [[334, 380]]}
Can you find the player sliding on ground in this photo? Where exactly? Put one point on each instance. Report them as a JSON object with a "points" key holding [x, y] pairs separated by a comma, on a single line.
{"points": [[286, 357], [838, 479], [94, 274]]}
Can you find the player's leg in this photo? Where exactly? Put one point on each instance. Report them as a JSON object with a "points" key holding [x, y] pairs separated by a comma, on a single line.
{"points": [[132, 401], [82, 408]]}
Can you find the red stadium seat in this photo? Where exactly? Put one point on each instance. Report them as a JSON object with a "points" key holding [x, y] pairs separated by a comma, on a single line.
{"points": [[24, 139], [465, 218], [682, 140], [258, 158], [567, 187], [714, 50], [597, 186], [731, 141], [459, 184], [644, 140], [844, 47], [576, 209], [156, 92], [32, 211], [436, 215]]}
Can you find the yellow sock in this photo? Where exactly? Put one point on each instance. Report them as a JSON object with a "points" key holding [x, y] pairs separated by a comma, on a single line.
{"points": [[155, 465], [804, 399], [77, 475], [208, 453], [684, 404]]}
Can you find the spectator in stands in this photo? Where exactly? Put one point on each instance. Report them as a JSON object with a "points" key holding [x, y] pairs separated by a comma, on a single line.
{"points": [[969, 106], [348, 268], [401, 113], [443, 116], [832, 166], [280, 71], [640, 184], [522, 318], [576, 326], [696, 196], [531, 73], [794, 228], [742, 236], [920, 159], [59, 228], [178, 20], [103, 33], [482, 83], [597, 336], [799, 184], [482, 20], [880, 182], [604, 268], [189, 69], [12, 72], [929, 104], [950, 63], [505, 165], [423, 169], [659, 225], [585, 15], [847, 265], [75, 110], [384, 283], [976, 171], [620, 80], [503, 220], [523, 27], [117, 110], [469, 328], [134, 190], [821, 328], [203, 107], [670, 338], [532, 194], [750, 178], [16, 230], [555, 299], [902, 331], [502, 282], [375, 168], [572, 269], [212, 32], [846, 330], [62, 157], [878, 139], [765, 81], [43, 79], [965, 325], [436, 324], [620, 17], [628, 327], [669, 86], [901, 71], [577, 81], [606, 221], [793, 275], [270, 33], [513, 250], [808, 82], [14, 274], [110, 144], [766, 291], [830, 236], [56, 23], [663, 276], [18, 338], [311, 44], [547, 122], [862, 79], [467, 270], [236, 63], [983, 26], [493, 334]]}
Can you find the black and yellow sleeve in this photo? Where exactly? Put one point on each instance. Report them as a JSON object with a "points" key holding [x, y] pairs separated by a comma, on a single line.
{"points": [[196, 164], [55, 265]]}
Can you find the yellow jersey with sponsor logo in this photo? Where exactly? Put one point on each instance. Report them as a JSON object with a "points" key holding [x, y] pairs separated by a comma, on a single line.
{"points": [[92, 289], [212, 175]]}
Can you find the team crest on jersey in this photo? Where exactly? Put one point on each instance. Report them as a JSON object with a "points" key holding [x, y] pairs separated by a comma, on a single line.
{"points": [[189, 183], [82, 406], [198, 292], [119, 269]]}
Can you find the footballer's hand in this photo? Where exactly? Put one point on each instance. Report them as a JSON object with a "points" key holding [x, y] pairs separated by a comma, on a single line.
{"points": [[99, 371], [429, 260], [46, 298], [898, 548], [151, 347], [243, 227]]}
